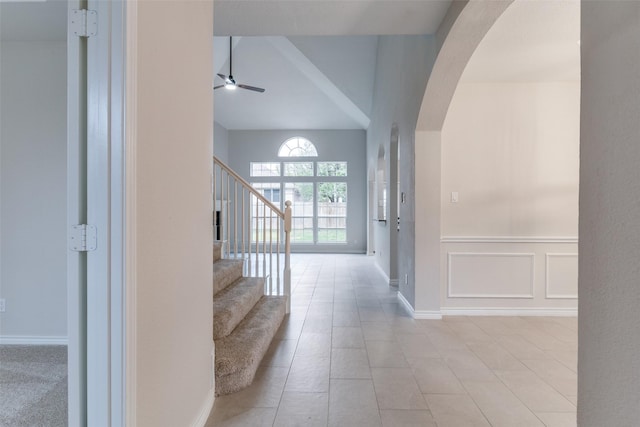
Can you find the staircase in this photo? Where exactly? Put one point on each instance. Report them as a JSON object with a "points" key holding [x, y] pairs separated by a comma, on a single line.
{"points": [[251, 283], [244, 322]]}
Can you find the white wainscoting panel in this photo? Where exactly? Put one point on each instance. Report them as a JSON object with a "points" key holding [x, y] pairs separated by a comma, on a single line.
{"points": [[490, 275], [561, 278]]}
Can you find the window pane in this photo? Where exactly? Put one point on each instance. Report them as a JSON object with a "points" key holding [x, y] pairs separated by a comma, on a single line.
{"points": [[270, 190], [263, 224], [265, 169], [298, 169], [301, 196], [332, 212], [332, 168], [297, 147]]}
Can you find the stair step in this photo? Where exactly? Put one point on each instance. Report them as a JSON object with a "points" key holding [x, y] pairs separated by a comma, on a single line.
{"points": [[232, 304], [225, 272], [239, 354], [217, 250]]}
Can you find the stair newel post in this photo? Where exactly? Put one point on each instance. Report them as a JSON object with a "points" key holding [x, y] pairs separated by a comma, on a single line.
{"points": [[287, 253]]}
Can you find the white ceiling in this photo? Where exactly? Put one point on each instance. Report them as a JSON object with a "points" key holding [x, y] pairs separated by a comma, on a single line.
{"points": [[532, 41], [33, 20], [310, 82], [322, 74], [327, 17]]}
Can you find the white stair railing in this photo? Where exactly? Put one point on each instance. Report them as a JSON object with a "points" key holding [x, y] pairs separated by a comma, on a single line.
{"points": [[254, 229]]}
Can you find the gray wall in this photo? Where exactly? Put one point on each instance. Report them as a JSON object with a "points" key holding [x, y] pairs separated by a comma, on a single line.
{"points": [[609, 324], [33, 189], [221, 142], [332, 145], [403, 67]]}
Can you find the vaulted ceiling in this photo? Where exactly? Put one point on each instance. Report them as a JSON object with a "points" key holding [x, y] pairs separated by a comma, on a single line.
{"points": [[316, 59]]}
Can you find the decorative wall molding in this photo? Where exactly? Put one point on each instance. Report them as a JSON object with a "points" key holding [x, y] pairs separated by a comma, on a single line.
{"points": [[33, 340], [452, 255], [203, 416], [419, 314], [511, 311], [548, 292], [508, 239]]}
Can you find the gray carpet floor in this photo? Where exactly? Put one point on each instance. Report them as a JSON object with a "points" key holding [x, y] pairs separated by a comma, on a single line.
{"points": [[33, 386]]}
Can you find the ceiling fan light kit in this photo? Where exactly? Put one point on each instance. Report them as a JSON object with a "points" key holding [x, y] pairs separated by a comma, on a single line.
{"points": [[229, 82]]}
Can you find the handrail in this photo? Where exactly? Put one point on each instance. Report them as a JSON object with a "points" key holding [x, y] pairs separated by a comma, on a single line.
{"points": [[244, 183], [231, 217]]}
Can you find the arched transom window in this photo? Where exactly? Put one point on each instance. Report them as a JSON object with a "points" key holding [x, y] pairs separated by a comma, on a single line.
{"points": [[297, 147]]}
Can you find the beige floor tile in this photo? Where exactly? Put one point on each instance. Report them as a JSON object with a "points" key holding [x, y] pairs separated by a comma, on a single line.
{"points": [[558, 419], [535, 393], [404, 418], [303, 410], [314, 344], [417, 346], [264, 392], [568, 358], [309, 374], [520, 348], [231, 416], [346, 306], [378, 331], [444, 340], [290, 329], [541, 339], [385, 354], [493, 326], [346, 318], [280, 353], [350, 363], [496, 357], [466, 365], [556, 375], [468, 332], [555, 329], [372, 314], [434, 376], [318, 325], [501, 407], [353, 403], [396, 388], [455, 411], [347, 337]]}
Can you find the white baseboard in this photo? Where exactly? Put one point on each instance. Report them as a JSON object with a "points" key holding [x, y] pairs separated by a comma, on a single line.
{"points": [[206, 409], [521, 311], [427, 315], [419, 314], [384, 274], [33, 340]]}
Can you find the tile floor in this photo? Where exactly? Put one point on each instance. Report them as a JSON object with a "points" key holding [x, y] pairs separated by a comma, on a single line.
{"points": [[348, 355]]}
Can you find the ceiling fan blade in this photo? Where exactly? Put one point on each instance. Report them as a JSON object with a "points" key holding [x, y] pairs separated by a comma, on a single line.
{"points": [[217, 87], [253, 88], [222, 76]]}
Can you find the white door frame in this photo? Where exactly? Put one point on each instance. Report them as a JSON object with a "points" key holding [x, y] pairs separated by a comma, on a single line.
{"points": [[76, 214], [106, 347]]}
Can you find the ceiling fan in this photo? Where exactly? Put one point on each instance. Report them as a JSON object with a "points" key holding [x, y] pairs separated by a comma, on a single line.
{"points": [[229, 81]]}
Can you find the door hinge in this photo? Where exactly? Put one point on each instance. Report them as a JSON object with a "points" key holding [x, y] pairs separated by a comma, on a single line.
{"points": [[83, 238], [83, 22]]}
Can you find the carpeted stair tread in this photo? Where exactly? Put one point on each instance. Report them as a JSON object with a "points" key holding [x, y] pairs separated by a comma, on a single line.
{"points": [[232, 303], [217, 250], [238, 355], [225, 272]]}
